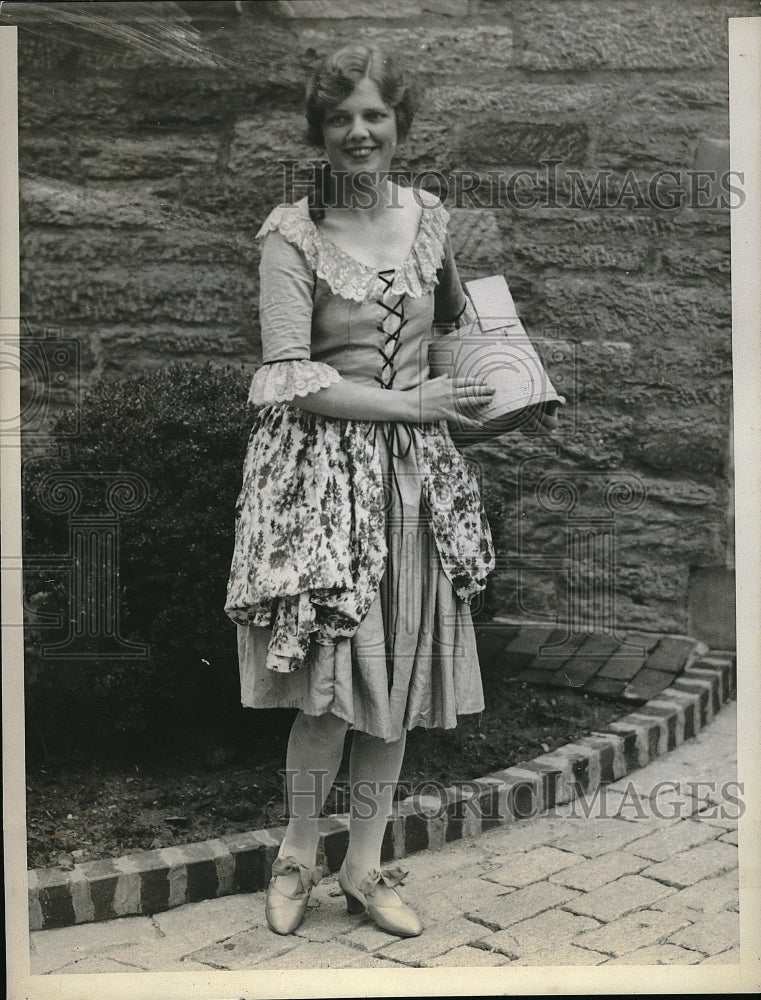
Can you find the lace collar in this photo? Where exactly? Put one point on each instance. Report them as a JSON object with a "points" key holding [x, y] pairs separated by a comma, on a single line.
{"points": [[350, 278]]}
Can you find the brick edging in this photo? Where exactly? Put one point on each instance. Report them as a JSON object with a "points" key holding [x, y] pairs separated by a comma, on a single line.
{"points": [[152, 881]]}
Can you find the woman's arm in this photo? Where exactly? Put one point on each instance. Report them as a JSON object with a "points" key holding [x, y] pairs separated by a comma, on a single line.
{"points": [[435, 399]]}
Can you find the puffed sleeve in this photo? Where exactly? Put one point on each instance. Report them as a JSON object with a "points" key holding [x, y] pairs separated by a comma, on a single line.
{"points": [[452, 307], [286, 287]]}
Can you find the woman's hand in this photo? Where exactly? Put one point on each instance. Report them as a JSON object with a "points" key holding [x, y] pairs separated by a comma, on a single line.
{"points": [[457, 400]]}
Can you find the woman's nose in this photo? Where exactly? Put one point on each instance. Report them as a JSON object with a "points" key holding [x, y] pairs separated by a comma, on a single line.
{"points": [[358, 126]]}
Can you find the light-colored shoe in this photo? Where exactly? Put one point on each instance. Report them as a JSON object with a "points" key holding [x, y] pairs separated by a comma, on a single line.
{"points": [[285, 911], [386, 909]]}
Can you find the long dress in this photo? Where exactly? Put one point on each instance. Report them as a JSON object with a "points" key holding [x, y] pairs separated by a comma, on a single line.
{"points": [[359, 545]]}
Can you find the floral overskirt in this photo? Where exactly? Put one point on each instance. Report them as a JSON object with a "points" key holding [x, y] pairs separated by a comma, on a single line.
{"points": [[358, 549]]}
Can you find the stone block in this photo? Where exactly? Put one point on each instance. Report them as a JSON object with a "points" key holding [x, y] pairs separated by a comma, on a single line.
{"points": [[522, 792], [692, 865], [524, 903], [714, 678], [658, 954], [647, 684], [525, 646], [342, 9], [669, 716], [671, 654], [436, 940], [563, 954], [446, 53], [500, 140], [522, 99], [606, 687], [615, 899], [476, 240], [717, 933], [722, 665], [647, 735], [531, 935], [245, 949], [710, 895], [665, 843], [621, 667], [639, 37], [590, 874], [533, 866], [630, 933], [466, 956], [701, 695]]}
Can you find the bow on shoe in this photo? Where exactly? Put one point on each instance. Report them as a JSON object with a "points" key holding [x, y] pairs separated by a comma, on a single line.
{"points": [[391, 877], [308, 877]]}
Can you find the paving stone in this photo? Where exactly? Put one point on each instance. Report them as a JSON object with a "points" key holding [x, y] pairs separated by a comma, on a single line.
{"points": [[435, 940], [593, 837], [708, 896], [63, 945], [712, 935], [434, 907], [665, 843], [730, 837], [367, 936], [641, 641], [465, 957], [96, 964], [647, 683], [637, 930], [588, 875], [523, 903], [523, 648], [731, 957], [228, 913], [473, 893], [564, 954], [533, 934], [695, 864], [531, 867], [246, 950], [658, 954], [614, 900], [327, 922], [608, 687], [671, 654], [621, 667], [313, 955]]}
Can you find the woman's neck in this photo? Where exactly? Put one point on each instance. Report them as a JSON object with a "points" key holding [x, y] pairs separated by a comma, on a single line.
{"points": [[367, 195]]}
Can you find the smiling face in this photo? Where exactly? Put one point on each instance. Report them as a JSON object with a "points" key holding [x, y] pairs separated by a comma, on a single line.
{"points": [[360, 133]]}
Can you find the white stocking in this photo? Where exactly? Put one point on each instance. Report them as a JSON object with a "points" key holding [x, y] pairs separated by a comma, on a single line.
{"points": [[315, 748], [374, 768]]}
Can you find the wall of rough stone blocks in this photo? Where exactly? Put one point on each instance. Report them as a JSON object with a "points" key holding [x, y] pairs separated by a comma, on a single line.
{"points": [[149, 141]]}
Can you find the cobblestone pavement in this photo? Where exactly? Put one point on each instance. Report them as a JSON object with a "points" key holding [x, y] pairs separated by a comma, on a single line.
{"points": [[648, 877]]}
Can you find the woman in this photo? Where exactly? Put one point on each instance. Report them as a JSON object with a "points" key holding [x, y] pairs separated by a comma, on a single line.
{"points": [[360, 534]]}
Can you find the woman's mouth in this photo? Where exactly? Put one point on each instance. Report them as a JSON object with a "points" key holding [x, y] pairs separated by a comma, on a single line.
{"points": [[361, 152]]}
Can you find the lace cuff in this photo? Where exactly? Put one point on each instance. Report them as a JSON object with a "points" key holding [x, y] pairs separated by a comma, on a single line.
{"points": [[281, 381]]}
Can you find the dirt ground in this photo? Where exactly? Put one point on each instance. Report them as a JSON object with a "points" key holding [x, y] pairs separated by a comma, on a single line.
{"points": [[86, 810]]}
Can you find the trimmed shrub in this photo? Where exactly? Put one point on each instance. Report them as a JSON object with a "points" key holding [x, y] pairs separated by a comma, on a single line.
{"points": [[183, 430]]}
